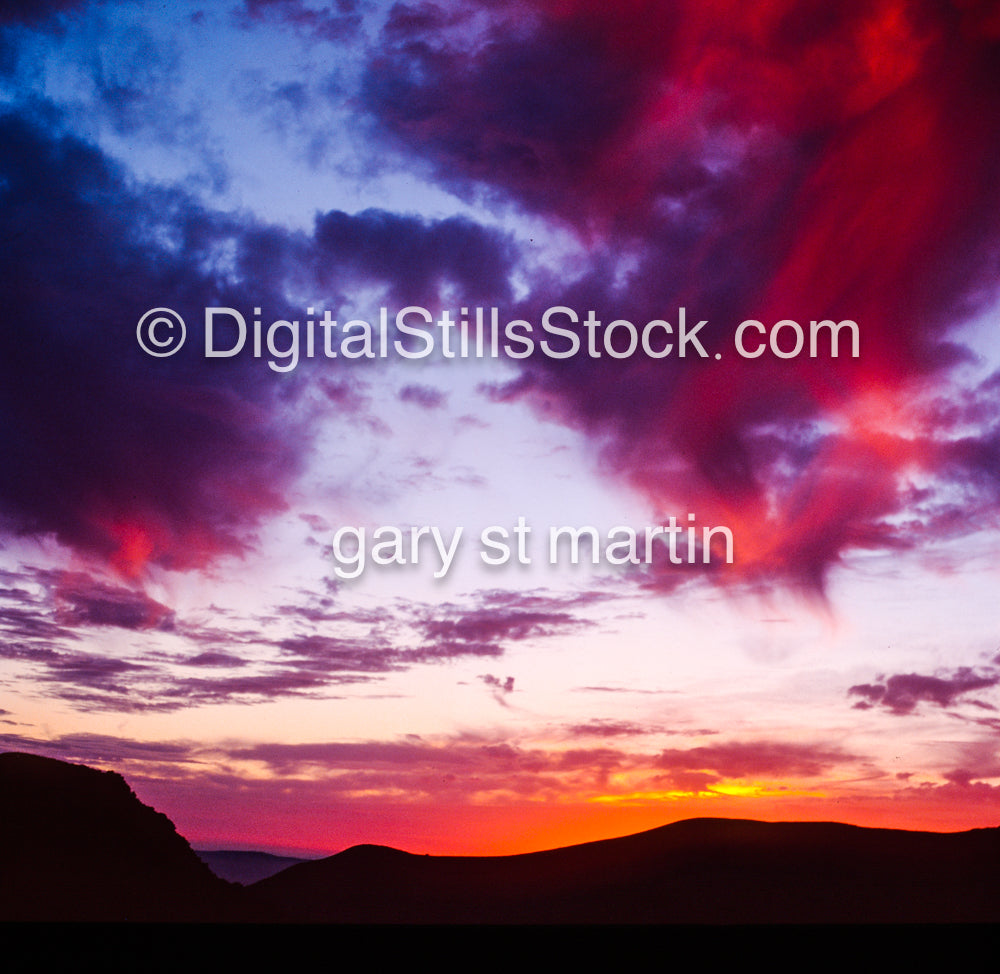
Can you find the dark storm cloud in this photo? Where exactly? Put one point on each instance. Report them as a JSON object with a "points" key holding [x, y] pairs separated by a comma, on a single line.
{"points": [[765, 163], [415, 256], [524, 111], [169, 461], [116, 454]]}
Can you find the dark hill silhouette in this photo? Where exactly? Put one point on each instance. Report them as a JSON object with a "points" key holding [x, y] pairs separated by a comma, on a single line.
{"points": [[696, 871], [76, 844]]}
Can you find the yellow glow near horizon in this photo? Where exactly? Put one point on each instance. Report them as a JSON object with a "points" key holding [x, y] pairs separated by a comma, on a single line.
{"points": [[731, 790]]}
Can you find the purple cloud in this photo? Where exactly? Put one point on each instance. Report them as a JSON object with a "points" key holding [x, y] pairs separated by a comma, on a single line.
{"points": [[903, 692]]}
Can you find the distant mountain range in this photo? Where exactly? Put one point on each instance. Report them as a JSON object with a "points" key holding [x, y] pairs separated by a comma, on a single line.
{"points": [[245, 867], [76, 844]]}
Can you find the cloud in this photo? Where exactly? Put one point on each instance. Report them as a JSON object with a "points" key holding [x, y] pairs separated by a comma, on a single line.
{"points": [[500, 689], [49, 608], [140, 461], [758, 185], [743, 759], [293, 758], [522, 106], [464, 766], [737, 163], [101, 748], [415, 257], [457, 768], [53, 623], [122, 457], [35, 13], [215, 659], [331, 654], [328, 25], [426, 397], [84, 601], [903, 692], [610, 728], [497, 618], [503, 686]]}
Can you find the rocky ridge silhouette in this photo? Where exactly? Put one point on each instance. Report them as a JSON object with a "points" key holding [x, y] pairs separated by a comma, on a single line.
{"points": [[76, 844]]}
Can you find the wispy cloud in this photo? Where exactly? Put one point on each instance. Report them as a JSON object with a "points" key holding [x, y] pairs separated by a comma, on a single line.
{"points": [[55, 624]]}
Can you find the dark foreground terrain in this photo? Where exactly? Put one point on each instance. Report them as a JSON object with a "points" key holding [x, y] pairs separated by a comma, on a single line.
{"points": [[76, 844]]}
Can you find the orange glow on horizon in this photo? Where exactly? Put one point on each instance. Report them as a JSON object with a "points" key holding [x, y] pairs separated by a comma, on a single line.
{"points": [[523, 827]]}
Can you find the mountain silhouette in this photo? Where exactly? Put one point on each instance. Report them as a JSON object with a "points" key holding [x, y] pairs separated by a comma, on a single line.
{"points": [[76, 844], [717, 871]]}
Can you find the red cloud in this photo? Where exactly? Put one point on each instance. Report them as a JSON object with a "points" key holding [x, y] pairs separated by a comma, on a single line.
{"points": [[785, 160]]}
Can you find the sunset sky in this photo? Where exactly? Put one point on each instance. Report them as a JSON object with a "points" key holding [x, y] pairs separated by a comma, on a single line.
{"points": [[170, 605]]}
